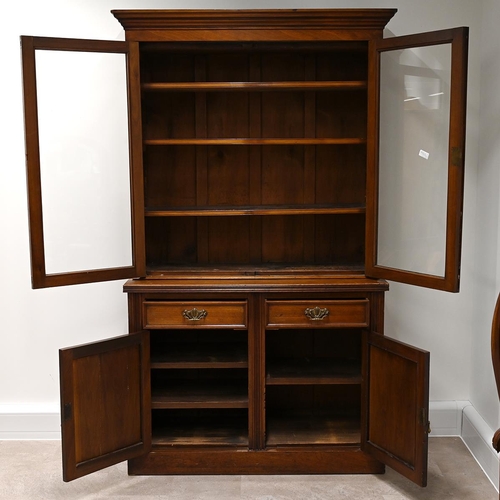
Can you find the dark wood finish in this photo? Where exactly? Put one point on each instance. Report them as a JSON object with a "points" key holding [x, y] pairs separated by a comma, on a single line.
{"points": [[458, 38], [200, 394], [290, 281], [105, 400], [40, 278], [223, 314], [253, 25], [210, 211], [397, 422], [290, 430], [220, 428], [246, 86], [312, 372], [253, 180], [495, 358], [202, 355], [495, 343], [242, 141], [337, 313], [283, 460]]}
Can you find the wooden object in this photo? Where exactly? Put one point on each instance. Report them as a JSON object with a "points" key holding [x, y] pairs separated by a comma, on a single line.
{"points": [[254, 196], [495, 357]]}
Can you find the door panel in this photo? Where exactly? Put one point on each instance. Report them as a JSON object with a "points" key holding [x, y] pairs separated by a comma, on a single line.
{"points": [[397, 400], [105, 403], [416, 144], [84, 160]]}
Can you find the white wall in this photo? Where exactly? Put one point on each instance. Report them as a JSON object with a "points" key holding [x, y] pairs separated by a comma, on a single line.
{"points": [[454, 327]]}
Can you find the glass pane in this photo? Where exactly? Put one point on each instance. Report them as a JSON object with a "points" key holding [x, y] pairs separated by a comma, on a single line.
{"points": [[84, 160], [413, 161]]}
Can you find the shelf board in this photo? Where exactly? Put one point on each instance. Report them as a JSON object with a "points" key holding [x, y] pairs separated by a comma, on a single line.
{"points": [[253, 86], [246, 271], [301, 429], [201, 355], [289, 371], [206, 211], [247, 141], [200, 394], [202, 432]]}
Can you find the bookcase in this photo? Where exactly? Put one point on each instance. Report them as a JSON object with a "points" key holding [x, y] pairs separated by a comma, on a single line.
{"points": [[256, 308]]}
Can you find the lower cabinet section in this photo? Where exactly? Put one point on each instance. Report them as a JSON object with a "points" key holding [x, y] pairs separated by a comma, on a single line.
{"points": [[290, 381], [256, 384]]}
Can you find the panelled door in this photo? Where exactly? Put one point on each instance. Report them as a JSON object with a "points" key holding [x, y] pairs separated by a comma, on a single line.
{"points": [[396, 424], [105, 403]]}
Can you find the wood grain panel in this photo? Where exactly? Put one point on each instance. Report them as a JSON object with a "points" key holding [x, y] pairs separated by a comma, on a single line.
{"points": [[398, 406], [341, 313], [103, 409], [341, 174], [170, 177], [220, 314], [168, 115], [105, 401], [228, 176]]}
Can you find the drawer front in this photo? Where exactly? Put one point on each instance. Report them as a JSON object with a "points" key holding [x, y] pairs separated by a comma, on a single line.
{"points": [[195, 314], [318, 313]]}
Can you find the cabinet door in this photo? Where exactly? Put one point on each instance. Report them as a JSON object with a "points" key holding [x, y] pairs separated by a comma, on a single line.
{"points": [[397, 403], [84, 160], [105, 403], [416, 142]]}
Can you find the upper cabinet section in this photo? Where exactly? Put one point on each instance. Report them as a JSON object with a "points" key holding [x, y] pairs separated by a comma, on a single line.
{"points": [[253, 143], [416, 143], [83, 145]]}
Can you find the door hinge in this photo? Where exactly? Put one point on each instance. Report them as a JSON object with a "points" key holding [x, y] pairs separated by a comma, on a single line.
{"points": [[424, 420], [67, 411]]}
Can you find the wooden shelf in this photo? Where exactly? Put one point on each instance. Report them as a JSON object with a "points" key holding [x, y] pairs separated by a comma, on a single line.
{"points": [[252, 86], [292, 371], [202, 431], [208, 355], [200, 394], [303, 429], [206, 211], [246, 141], [221, 273]]}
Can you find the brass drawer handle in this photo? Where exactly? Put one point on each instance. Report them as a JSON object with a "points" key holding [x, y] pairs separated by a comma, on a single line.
{"points": [[316, 313], [194, 314]]}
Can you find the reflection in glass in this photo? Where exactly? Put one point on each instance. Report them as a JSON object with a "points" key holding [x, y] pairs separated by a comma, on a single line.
{"points": [[413, 158], [84, 160]]}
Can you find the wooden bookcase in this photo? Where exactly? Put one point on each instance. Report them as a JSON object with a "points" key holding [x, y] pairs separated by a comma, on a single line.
{"points": [[256, 313]]}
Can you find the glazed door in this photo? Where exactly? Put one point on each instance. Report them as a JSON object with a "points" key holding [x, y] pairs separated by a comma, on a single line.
{"points": [[397, 405], [105, 403], [416, 146], [84, 160]]}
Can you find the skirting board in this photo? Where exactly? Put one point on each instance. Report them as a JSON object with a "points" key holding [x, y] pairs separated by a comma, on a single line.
{"points": [[460, 418], [477, 435], [448, 418], [29, 421]]}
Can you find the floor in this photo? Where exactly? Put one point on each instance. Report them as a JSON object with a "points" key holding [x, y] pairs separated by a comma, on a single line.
{"points": [[32, 470]]}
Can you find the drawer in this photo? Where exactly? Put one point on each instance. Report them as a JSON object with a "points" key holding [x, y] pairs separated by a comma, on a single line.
{"points": [[317, 313], [195, 314]]}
